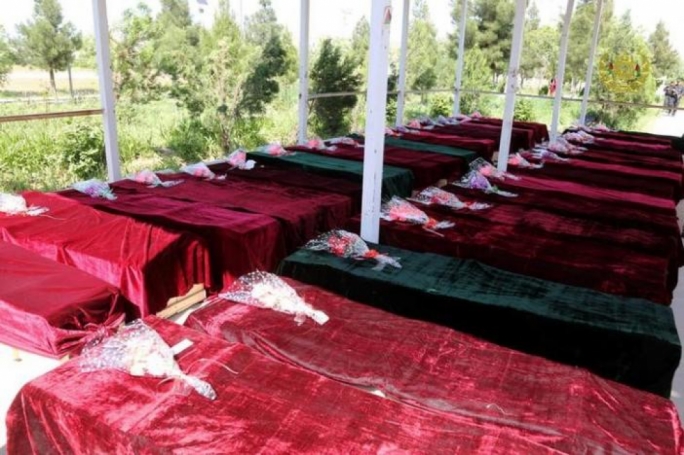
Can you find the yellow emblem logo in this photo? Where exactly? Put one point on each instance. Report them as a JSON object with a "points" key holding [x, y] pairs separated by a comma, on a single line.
{"points": [[624, 73]]}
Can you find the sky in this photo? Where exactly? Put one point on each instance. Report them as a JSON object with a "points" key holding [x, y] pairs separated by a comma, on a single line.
{"points": [[346, 13]]}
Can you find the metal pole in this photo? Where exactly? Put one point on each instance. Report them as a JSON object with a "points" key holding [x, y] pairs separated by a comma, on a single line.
{"points": [[560, 78], [461, 57], [376, 105], [512, 84], [107, 99], [403, 55], [592, 58], [303, 71]]}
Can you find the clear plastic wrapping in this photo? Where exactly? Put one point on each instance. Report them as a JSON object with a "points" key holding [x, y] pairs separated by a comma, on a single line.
{"points": [[238, 160], [549, 154], [95, 188], [152, 180], [579, 136], [275, 149], [436, 196], [345, 141], [316, 143], [200, 170], [138, 350], [518, 160], [266, 290], [12, 204], [349, 245], [487, 169], [473, 180], [398, 209]]}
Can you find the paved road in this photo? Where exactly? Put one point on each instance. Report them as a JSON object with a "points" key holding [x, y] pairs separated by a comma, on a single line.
{"points": [[668, 125]]}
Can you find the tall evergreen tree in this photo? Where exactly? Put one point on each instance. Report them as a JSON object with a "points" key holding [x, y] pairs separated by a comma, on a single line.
{"points": [[333, 72], [135, 53], [46, 41], [423, 49], [666, 60], [360, 44], [581, 35]]}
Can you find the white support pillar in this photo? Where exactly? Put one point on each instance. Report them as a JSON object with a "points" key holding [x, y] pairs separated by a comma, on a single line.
{"points": [[592, 58], [303, 71], [560, 77], [512, 84], [461, 57], [403, 56], [104, 65], [381, 18]]}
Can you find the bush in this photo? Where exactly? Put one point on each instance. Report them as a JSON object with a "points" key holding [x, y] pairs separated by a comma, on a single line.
{"points": [[190, 140], [82, 150], [441, 105], [524, 111]]}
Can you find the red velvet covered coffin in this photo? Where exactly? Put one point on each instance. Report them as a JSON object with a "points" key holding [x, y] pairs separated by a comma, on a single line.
{"points": [[49, 308], [263, 406], [148, 264], [553, 407]]}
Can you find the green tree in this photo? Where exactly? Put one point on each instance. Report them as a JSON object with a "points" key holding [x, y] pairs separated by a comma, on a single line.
{"points": [[277, 62], [423, 51], [493, 31], [666, 60], [360, 44], [46, 41], [86, 56], [137, 76], [623, 39], [581, 35], [261, 87], [6, 59], [540, 53], [212, 86], [333, 72], [178, 37]]}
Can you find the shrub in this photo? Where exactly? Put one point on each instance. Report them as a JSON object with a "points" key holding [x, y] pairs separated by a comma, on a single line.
{"points": [[524, 111], [190, 140], [82, 150], [441, 105]]}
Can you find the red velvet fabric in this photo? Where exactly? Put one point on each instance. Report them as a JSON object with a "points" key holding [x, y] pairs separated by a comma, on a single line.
{"points": [[541, 132], [640, 161], [568, 228], [238, 242], [301, 212], [483, 147], [148, 264], [49, 308], [521, 138], [454, 374], [427, 168], [591, 264], [269, 407], [640, 138], [569, 204], [296, 178], [662, 184], [635, 148]]}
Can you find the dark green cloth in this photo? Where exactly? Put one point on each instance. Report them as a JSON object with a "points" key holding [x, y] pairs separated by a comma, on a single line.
{"points": [[467, 155], [395, 181], [627, 340]]}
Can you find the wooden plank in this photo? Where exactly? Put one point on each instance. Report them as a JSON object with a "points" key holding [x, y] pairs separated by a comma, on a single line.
{"points": [[179, 304], [49, 115]]}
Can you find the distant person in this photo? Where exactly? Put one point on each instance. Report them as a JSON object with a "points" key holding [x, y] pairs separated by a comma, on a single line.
{"points": [[679, 90], [671, 98], [552, 87]]}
